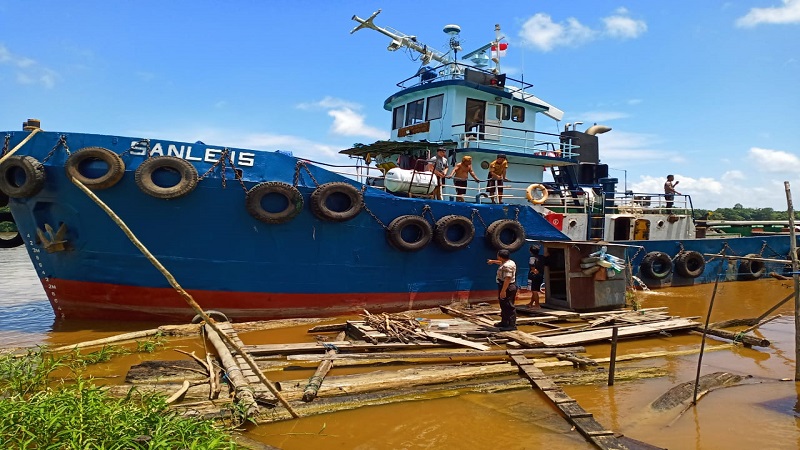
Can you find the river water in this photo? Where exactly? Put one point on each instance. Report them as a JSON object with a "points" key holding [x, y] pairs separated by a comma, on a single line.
{"points": [[760, 415]]}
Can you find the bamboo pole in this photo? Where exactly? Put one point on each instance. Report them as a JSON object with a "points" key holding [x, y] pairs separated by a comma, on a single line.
{"points": [[186, 296], [705, 329], [796, 276], [315, 381], [243, 391]]}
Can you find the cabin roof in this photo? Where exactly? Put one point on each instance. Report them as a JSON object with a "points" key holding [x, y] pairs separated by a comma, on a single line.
{"points": [[396, 147]]}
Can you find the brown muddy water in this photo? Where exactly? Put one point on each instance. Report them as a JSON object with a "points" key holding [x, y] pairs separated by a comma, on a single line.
{"points": [[763, 415]]}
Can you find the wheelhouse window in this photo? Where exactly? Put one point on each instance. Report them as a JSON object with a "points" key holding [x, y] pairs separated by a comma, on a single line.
{"points": [[414, 111], [397, 117], [434, 110], [502, 112], [518, 114]]}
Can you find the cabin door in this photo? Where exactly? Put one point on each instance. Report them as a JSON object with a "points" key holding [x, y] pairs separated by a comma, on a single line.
{"points": [[475, 118], [494, 121]]}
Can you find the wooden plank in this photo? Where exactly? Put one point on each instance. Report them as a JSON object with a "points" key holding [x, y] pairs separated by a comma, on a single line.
{"points": [[523, 338], [455, 340], [546, 384], [583, 337], [329, 328], [440, 354], [305, 347]]}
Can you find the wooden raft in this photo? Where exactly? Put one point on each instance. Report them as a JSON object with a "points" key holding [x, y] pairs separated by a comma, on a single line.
{"points": [[259, 390], [583, 420]]}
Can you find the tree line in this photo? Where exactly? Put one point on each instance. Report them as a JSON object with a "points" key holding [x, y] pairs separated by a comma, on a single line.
{"points": [[739, 212]]}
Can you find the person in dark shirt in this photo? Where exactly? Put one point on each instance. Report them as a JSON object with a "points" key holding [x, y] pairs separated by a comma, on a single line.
{"points": [[669, 190], [535, 275]]}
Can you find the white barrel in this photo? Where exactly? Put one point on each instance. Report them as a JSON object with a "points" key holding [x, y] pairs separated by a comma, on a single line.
{"points": [[399, 180]]}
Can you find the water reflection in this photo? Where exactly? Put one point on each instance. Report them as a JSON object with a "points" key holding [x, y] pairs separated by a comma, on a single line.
{"points": [[25, 313]]}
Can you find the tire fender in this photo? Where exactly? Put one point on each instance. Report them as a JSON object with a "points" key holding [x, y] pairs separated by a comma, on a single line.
{"points": [[397, 228], [21, 176], [320, 196], [496, 231], [294, 202], [114, 173], [146, 170], [445, 224], [656, 265]]}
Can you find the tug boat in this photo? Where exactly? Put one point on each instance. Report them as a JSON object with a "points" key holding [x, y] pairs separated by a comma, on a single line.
{"points": [[265, 234]]}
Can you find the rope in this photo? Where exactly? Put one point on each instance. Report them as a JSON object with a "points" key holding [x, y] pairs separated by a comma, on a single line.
{"points": [[186, 296], [24, 141]]}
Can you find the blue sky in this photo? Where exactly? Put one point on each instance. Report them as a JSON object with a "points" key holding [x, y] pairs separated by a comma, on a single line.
{"points": [[703, 90]]}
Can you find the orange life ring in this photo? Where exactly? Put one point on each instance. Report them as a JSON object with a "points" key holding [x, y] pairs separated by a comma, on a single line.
{"points": [[536, 187]]}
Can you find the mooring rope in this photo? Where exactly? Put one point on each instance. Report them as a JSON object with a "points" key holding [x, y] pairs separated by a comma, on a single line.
{"points": [[24, 141], [186, 296]]}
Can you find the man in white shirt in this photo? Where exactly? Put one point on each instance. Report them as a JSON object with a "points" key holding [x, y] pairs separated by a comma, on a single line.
{"points": [[506, 290]]}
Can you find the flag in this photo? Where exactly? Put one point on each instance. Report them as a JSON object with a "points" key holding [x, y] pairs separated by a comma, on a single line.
{"points": [[503, 46]]}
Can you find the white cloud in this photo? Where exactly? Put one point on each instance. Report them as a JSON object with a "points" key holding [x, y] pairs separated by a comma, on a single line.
{"points": [[773, 161], [623, 27], [328, 103], [540, 31], [347, 122], [602, 116], [26, 70], [788, 13], [621, 149]]}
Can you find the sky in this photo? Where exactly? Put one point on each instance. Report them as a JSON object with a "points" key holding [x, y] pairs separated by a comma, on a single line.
{"points": [[702, 90]]}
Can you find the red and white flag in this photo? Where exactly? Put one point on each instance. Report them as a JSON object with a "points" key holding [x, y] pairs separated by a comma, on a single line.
{"points": [[497, 54]]}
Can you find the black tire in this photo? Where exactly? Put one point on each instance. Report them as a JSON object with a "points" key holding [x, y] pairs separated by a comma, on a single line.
{"points": [[294, 202], [15, 241], [656, 265], [185, 169], [461, 225], [690, 264], [214, 314], [498, 232], [420, 232], [21, 176], [751, 269], [354, 201], [116, 168]]}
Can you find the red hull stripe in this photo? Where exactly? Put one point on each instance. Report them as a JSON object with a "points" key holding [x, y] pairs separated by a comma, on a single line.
{"points": [[87, 300]]}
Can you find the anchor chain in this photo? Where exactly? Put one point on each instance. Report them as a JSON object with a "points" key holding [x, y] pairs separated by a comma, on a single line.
{"points": [[763, 246], [5, 144], [427, 208], [224, 159], [297, 167], [62, 140], [476, 213], [366, 208], [146, 143]]}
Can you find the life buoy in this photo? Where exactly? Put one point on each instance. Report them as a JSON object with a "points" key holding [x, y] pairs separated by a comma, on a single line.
{"points": [[292, 198], [690, 264], [75, 167], [409, 233], [337, 201], [750, 269], [454, 232], [16, 240], [536, 187], [506, 234], [185, 170], [21, 176], [656, 265]]}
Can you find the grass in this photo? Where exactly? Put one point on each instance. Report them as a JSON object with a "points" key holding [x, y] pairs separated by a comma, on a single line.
{"points": [[38, 412]]}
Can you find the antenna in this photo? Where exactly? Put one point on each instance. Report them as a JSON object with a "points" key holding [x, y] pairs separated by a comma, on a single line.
{"points": [[400, 39]]}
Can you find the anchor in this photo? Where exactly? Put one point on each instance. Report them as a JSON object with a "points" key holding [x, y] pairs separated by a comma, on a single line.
{"points": [[53, 242]]}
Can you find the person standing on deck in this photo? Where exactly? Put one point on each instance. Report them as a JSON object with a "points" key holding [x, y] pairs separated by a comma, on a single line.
{"points": [[459, 176], [506, 290], [497, 175], [440, 169], [535, 276], [669, 191]]}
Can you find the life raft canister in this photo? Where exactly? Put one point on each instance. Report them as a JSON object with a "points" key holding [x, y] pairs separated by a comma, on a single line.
{"points": [[286, 195], [656, 265], [454, 232], [150, 168], [529, 193], [689, 264], [337, 201], [14, 241], [21, 176], [506, 234], [409, 233], [78, 162], [750, 269]]}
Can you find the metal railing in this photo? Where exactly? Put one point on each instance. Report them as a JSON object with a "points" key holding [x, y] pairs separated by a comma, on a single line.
{"points": [[529, 143]]}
